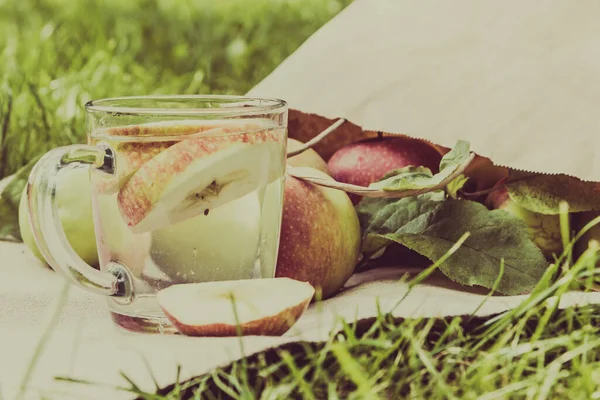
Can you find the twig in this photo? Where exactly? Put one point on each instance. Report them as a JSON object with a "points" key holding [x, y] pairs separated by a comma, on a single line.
{"points": [[481, 192], [499, 185], [317, 138], [299, 173]]}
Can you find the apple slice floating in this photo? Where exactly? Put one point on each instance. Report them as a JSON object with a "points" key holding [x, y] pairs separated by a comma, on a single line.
{"points": [[263, 307], [130, 156], [147, 140], [196, 175]]}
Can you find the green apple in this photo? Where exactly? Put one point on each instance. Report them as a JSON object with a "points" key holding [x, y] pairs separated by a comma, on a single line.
{"points": [[544, 230], [221, 245], [73, 198], [75, 206], [115, 240], [320, 235]]}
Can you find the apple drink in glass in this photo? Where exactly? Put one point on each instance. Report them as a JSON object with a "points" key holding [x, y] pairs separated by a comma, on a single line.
{"points": [[185, 189]]}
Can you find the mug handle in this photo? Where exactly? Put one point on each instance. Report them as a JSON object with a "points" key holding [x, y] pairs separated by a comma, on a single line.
{"points": [[46, 225]]}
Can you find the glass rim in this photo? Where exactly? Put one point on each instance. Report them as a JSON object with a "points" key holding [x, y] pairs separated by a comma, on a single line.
{"points": [[265, 105]]}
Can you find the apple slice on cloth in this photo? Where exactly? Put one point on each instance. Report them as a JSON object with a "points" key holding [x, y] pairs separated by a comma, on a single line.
{"points": [[260, 307], [196, 175]]}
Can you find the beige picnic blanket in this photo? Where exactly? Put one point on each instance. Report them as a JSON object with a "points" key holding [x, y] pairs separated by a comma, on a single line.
{"points": [[519, 80]]}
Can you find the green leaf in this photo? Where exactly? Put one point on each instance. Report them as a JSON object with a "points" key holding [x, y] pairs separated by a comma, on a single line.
{"points": [[453, 187], [407, 178], [409, 170], [383, 215], [543, 193], [431, 227], [9, 204], [421, 178]]}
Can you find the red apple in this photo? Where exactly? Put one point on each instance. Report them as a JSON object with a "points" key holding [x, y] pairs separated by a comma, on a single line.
{"points": [[320, 235], [367, 161]]}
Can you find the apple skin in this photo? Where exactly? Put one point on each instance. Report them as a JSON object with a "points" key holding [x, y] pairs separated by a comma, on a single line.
{"points": [[320, 235], [266, 306], [367, 161], [74, 203], [273, 325], [543, 229], [130, 156], [219, 246], [308, 158]]}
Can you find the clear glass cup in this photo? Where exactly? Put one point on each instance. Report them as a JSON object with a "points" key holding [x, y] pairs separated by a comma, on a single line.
{"points": [[185, 189]]}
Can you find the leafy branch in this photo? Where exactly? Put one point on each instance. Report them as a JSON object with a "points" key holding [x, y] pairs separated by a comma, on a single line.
{"points": [[402, 183]]}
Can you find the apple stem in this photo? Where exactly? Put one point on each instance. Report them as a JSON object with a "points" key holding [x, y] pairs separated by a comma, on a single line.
{"points": [[376, 193], [498, 185], [317, 138]]}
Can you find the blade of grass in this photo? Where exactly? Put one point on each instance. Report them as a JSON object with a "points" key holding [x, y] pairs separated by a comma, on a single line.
{"points": [[55, 312]]}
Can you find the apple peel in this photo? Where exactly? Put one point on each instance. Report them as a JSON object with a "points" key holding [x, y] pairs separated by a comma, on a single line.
{"points": [[196, 175], [129, 157], [251, 307], [134, 145]]}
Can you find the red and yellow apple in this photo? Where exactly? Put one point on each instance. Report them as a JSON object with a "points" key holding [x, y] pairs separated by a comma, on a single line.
{"points": [[320, 235]]}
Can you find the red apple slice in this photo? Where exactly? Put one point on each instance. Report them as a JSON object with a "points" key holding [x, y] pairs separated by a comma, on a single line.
{"points": [[134, 145], [196, 175], [265, 307], [129, 157]]}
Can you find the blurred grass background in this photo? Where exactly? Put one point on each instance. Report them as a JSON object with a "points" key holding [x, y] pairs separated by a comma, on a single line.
{"points": [[57, 54]]}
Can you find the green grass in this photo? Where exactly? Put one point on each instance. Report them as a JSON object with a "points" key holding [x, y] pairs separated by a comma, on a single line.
{"points": [[57, 54], [536, 351]]}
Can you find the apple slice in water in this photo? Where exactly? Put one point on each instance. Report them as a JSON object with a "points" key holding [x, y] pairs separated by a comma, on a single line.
{"points": [[130, 156], [263, 307], [196, 175], [133, 145]]}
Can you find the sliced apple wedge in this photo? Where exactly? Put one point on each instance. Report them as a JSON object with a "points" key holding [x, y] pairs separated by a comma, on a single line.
{"points": [[196, 175], [129, 157], [133, 145], [262, 307]]}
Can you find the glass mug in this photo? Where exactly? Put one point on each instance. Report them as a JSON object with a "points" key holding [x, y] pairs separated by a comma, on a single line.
{"points": [[184, 189]]}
